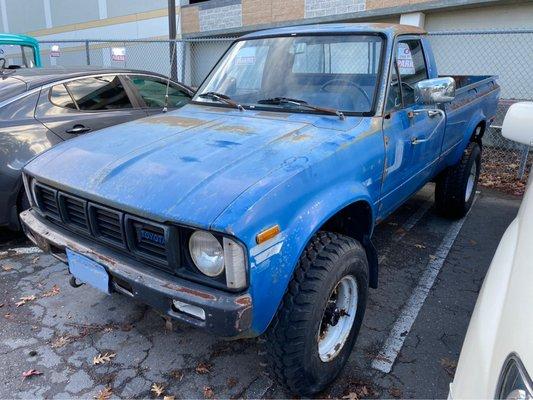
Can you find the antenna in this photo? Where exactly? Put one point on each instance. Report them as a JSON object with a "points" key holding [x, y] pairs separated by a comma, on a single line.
{"points": [[165, 107]]}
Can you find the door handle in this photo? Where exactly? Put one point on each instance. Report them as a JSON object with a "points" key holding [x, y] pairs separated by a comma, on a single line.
{"points": [[77, 129], [432, 113]]}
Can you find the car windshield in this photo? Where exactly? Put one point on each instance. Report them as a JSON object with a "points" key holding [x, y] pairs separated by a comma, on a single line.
{"points": [[335, 72], [16, 56]]}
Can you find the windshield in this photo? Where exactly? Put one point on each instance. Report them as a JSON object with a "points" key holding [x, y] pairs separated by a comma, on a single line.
{"points": [[16, 56], [337, 72]]}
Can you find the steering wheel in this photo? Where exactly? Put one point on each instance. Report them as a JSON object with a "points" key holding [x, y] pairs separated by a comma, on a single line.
{"points": [[350, 83]]}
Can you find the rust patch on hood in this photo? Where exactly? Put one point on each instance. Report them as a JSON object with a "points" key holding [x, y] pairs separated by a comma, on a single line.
{"points": [[175, 121], [239, 129], [244, 301]]}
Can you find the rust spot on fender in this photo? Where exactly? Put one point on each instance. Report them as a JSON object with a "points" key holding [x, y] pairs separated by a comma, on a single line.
{"points": [[175, 121]]}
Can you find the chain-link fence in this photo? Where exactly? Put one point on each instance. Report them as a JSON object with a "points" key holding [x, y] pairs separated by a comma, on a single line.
{"points": [[508, 54]]}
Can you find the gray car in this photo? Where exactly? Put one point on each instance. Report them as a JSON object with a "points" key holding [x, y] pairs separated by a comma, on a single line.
{"points": [[42, 107]]}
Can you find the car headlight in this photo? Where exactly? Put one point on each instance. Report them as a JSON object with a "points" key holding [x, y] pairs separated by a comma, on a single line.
{"points": [[213, 256], [514, 381], [207, 253]]}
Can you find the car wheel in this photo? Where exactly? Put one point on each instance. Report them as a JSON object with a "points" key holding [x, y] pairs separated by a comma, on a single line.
{"points": [[456, 186], [316, 326]]}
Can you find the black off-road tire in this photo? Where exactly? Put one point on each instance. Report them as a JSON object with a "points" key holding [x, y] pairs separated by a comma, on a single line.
{"points": [[291, 341], [451, 186]]}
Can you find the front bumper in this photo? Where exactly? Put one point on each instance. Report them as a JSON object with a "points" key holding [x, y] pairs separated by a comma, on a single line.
{"points": [[226, 314]]}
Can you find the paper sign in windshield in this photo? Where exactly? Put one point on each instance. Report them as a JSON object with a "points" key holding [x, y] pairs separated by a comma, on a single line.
{"points": [[118, 54], [246, 56], [405, 60]]}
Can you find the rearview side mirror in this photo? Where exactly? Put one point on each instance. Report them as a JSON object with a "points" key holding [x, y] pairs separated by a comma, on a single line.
{"points": [[518, 123], [435, 91]]}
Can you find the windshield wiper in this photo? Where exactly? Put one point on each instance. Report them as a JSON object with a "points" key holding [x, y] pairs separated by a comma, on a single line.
{"points": [[301, 103], [222, 98]]}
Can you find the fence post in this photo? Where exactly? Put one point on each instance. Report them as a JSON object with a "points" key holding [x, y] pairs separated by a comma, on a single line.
{"points": [[523, 162], [87, 53]]}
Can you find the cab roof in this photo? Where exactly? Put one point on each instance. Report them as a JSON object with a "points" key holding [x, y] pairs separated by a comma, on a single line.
{"points": [[390, 30], [10, 38]]}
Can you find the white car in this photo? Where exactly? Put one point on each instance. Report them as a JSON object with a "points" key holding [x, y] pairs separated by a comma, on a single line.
{"points": [[496, 360]]}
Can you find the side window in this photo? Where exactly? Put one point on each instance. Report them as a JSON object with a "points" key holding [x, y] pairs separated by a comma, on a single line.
{"points": [[412, 67], [100, 93], [152, 91], [394, 98], [59, 96]]}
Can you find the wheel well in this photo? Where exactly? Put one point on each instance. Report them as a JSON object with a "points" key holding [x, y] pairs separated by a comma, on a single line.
{"points": [[355, 220], [477, 136]]}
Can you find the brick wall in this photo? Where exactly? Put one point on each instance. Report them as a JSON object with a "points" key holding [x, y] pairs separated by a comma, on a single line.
{"points": [[321, 8], [225, 14], [228, 16]]}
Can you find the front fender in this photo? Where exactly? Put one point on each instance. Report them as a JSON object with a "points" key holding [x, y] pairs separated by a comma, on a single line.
{"points": [[272, 263]]}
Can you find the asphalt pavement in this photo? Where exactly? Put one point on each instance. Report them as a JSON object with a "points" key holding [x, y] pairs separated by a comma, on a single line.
{"points": [[85, 343]]}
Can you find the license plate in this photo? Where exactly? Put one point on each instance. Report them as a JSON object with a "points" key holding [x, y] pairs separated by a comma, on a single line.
{"points": [[88, 271]]}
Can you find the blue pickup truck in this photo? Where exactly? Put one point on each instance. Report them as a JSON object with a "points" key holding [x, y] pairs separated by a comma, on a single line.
{"points": [[250, 211]]}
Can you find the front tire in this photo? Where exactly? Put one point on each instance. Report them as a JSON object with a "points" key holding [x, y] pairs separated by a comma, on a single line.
{"points": [[316, 326], [456, 186]]}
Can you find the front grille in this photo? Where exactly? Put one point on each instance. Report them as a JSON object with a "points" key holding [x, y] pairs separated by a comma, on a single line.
{"points": [[107, 225], [74, 212], [140, 238], [150, 239], [47, 201]]}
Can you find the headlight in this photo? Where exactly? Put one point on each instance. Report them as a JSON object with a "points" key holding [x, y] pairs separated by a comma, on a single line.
{"points": [[212, 256], [207, 253], [514, 381]]}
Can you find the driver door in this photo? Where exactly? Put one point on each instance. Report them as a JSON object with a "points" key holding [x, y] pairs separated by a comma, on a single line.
{"points": [[413, 137]]}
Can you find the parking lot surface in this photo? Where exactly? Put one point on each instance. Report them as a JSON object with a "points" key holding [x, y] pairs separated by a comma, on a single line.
{"points": [[431, 270]]}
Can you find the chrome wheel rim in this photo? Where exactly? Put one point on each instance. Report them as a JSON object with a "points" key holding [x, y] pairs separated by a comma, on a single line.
{"points": [[338, 318], [471, 182]]}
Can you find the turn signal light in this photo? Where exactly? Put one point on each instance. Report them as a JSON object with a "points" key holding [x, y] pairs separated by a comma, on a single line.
{"points": [[267, 234]]}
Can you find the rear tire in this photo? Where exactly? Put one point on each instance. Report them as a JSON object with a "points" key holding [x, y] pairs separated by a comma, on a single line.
{"points": [[316, 326], [456, 186]]}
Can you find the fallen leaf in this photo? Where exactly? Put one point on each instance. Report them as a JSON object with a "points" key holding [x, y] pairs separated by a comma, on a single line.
{"points": [[24, 300], [351, 396], [60, 342], [104, 394], [30, 372], [473, 242], [8, 316], [395, 392], [420, 246], [157, 389], [168, 397], [177, 374], [203, 368], [34, 261], [52, 292], [1, 305], [103, 358], [448, 365], [232, 382], [208, 392], [7, 267]]}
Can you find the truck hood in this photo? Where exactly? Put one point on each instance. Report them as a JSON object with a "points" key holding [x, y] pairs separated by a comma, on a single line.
{"points": [[186, 166]]}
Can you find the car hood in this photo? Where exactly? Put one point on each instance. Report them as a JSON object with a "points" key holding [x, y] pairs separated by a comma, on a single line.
{"points": [[185, 166]]}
